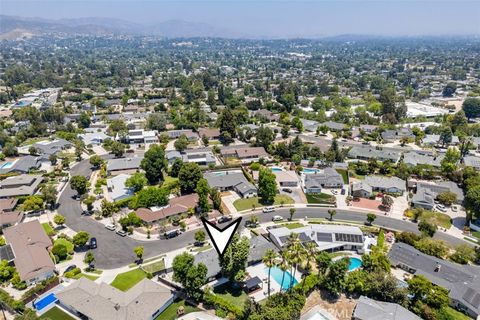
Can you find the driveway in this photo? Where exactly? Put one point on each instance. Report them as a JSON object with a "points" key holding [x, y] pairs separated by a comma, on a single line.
{"points": [[114, 251]]}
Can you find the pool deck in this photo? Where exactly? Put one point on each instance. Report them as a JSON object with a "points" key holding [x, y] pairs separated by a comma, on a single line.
{"points": [[258, 270], [57, 289]]}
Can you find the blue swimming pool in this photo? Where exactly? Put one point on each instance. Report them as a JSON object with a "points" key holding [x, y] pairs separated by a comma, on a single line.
{"points": [[45, 301], [309, 171], [277, 274], [276, 169], [6, 165], [355, 263]]}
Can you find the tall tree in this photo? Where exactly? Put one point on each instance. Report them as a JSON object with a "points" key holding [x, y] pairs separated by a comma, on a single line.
{"points": [[189, 176], [153, 163], [267, 185], [234, 260], [270, 260]]}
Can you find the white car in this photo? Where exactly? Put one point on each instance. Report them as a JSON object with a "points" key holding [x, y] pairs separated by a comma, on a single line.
{"points": [[441, 208], [277, 218], [110, 227], [268, 209]]}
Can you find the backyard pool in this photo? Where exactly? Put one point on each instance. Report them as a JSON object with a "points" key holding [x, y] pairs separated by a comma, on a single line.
{"points": [[309, 171], [276, 169], [355, 263], [277, 275], [45, 301], [6, 165]]}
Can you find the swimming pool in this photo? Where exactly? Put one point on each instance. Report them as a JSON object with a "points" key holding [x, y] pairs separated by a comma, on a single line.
{"points": [[277, 274], [45, 301], [6, 165], [355, 263], [218, 174], [309, 171], [276, 169]]}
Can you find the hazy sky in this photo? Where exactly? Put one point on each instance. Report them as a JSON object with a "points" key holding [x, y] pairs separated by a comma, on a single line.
{"points": [[276, 17]]}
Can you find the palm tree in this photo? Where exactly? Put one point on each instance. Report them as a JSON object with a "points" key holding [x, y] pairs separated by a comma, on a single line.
{"points": [[269, 259], [292, 213], [332, 213], [283, 265], [294, 253], [310, 254]]}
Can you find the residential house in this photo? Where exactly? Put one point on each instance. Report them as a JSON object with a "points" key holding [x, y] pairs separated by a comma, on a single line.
{"points": [[323, 178], [434, 140], [398, 134], [201, 156], [191, 136], [9, 217], [47, 148], [100, 301], [392, 185], [367, 152], [124, 165], [326, 237], [472, 161], [414, 158], [361, 190], [310, 125], [333, 126], [93, 138], [210, 133], [427, 192], [29, 245], [462, 281], [140, 136], [235, 181], [117, 189], [368, 128], [244, 153], [175, 207], [22, 185], [369, 309], [267, 114], [286, 178], [22, 165]]}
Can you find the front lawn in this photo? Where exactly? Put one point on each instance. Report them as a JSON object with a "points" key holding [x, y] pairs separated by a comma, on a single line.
{"points": [[235, 296], [80, 275], [454, 314], [249, 203], [344, 174], [320, 198], [154, 267], [293, 225], [126, 280], [56, 313], [66, 243], [171, 312], [436, 218], [48, 229]]}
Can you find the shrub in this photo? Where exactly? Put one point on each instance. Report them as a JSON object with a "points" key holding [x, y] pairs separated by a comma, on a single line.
{"points": [[221, 305], [72, 273], [7, 299]]}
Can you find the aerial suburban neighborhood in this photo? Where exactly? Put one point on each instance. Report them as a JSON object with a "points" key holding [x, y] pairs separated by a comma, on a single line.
{"points": [[351, 163]]}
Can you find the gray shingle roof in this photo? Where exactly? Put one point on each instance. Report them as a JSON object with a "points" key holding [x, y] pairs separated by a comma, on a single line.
{"points": [[369, 309], [360, 152], [325, 177], [124, 163], [381, 182], [23, 165]]}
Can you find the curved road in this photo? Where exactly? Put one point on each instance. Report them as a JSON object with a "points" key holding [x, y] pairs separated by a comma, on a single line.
{"points": [[114, 251]]}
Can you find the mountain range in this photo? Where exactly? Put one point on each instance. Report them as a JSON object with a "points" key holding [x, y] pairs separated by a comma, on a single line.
{"points": [[12, 27]]}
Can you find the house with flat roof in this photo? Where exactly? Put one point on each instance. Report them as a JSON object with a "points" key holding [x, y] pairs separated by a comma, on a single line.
{"points": [[369, 309], [174, 134], [326, 237], [235, 181], [117, 190], [201, 156], [323, 178], [140, 136], [124, 165], [462, 281], [29, 244], [100, 301], [286, 178], [22, 185]]}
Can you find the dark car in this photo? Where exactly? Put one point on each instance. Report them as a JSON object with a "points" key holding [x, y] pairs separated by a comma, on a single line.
{"points": [[224, 219], [172, 234], [93, 243], [342, 192], [287, 190], [70, 268], [251, 224]]}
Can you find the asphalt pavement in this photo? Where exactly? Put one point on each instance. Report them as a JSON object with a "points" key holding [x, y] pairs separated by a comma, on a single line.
{"points": [[115, 251]]}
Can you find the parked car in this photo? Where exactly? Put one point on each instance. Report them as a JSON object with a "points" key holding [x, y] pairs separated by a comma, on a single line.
{"points": [[70, 268], [224, 219], [287, 190], [268, 209], [110, 227], [367, 143], [441, 208], [121, 232], [277, 218], [93, 243], [342, 192], [251, 224], [172, 234]]}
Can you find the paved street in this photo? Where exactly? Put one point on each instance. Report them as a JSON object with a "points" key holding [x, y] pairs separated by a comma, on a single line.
{"points": [[114, 251]]}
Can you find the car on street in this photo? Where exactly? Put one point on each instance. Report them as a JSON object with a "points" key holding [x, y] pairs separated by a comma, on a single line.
{"points": [[70, 268], [172, 234], [93, 243], [110, 227], [287, 190], [121, 232], [224, 219], [251, 224], [277, 218], [268, 209]]}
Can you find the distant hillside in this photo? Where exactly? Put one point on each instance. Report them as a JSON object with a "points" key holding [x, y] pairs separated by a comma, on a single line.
{"points": [[16, 27]]}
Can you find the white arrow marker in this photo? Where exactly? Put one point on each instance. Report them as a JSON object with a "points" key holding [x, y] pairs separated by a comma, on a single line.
{"points": [[221, 238]]}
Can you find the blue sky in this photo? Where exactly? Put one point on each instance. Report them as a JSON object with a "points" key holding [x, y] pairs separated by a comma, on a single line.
{"points": [[277, 18]]}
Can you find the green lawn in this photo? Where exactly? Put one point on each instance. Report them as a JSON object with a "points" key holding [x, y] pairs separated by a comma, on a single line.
{"points": [[454, 314], [66, 243], [293, 225], [80, 275], [48, 229], [476, 234], [320, 198], [436, 218], [248, 203], [344, 174], [56, 314], [202, 248], [171, 312], [154, 267], [126, 280], [235, 296]]}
